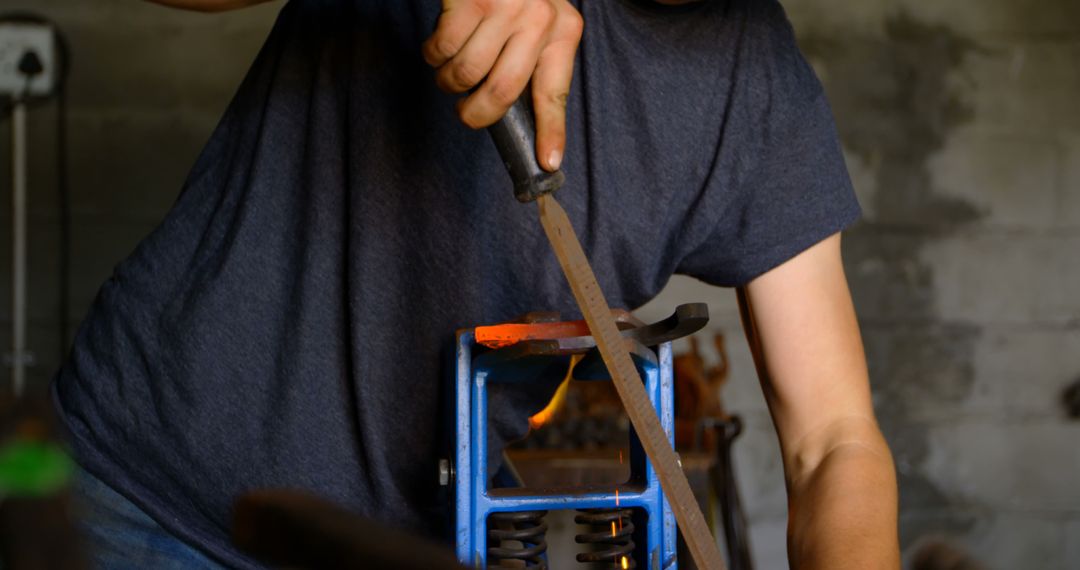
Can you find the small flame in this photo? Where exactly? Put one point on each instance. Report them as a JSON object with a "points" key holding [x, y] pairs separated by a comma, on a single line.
{"points": [[616, 497], [625, 565], [545, 415], [612, 528]]}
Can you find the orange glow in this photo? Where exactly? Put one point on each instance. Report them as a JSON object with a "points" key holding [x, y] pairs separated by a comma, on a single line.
{"points": [[616, 497], [498, 336], [543, 416], [612, 528], [625, 565]]}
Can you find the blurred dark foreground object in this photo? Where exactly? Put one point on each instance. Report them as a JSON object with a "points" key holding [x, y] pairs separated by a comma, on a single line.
{"points": [[938, 554], [36, 534], [289, 528], [36, 530], [1071, 398]]}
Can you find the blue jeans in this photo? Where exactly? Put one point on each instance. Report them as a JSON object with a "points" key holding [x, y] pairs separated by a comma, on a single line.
{"points": [[118, 535]]}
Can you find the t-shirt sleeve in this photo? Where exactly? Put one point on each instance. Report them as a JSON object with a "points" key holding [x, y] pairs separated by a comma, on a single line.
{"points": [[791, 189]]}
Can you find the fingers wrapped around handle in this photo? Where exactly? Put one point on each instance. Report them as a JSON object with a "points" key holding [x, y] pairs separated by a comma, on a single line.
{"points": [[492, 49]]}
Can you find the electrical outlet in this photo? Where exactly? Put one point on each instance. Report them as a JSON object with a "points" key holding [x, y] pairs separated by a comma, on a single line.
{"points": [[18, 39]]}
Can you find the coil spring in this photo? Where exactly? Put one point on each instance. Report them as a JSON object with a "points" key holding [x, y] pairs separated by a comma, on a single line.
{"points": [[525, 531], [612, 534]]}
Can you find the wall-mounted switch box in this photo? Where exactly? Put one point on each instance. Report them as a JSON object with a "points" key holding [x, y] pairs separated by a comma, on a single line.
{"points": [[18, 41]]}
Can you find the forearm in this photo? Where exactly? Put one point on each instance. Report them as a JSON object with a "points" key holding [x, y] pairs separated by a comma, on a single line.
{"points": [[843, 508]]}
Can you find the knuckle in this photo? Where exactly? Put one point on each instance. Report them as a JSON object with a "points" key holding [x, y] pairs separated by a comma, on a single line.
{"points": [[558, 99], [465, 74], [502, 92], [444, 48], [542, 13], [442, 77], [572, 23], [469, 118]]}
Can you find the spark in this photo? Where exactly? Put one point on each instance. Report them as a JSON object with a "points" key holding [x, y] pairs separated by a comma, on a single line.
{"points": [[625, 565], [612, 528], [616, 497]]}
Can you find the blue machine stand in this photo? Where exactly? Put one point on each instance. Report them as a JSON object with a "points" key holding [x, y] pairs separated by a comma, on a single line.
{"points": [[478, 368]]}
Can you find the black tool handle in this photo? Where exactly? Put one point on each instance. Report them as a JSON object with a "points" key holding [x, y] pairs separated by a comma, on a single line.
{"points": [[515, 137]]}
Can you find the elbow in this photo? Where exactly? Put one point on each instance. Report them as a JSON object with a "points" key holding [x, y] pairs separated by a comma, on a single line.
{"points": [[855, 435]]}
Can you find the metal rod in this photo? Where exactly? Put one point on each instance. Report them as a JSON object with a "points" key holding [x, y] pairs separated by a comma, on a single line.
{"points": [[624, 375], [18, 247]]}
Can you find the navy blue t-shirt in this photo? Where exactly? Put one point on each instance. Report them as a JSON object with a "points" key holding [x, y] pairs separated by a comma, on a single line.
{"points": [[284, 326]]}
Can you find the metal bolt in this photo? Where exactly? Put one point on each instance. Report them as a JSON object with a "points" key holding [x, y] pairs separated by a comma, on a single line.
{"points": [[446, 472]]}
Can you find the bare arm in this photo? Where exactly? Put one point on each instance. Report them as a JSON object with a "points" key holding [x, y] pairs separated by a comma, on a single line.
{"points": [[208, 5], [840, 478]]}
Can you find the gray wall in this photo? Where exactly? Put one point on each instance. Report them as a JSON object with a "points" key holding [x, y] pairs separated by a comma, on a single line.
{"points": [[961, 125], [147, 86]]}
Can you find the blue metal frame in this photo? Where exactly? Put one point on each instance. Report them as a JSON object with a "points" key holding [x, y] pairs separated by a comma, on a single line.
{"points": [[475, 500]]}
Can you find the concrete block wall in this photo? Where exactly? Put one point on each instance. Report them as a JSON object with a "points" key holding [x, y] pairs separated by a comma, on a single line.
{"points": [[147, 85], [961, 125]]}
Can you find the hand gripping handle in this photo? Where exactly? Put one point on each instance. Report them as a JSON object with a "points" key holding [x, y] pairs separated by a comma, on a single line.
{"points": [[515, 138]]}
